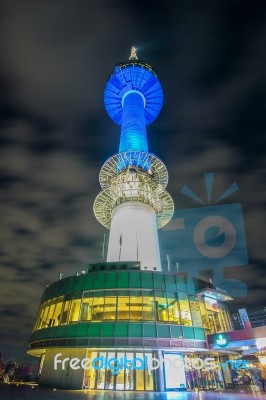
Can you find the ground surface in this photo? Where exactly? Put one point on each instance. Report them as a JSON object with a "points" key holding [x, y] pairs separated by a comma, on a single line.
{"points": [[13, 392]]}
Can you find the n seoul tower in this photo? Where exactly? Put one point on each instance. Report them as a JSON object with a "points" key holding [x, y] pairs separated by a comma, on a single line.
{"points": [[133, 202]]}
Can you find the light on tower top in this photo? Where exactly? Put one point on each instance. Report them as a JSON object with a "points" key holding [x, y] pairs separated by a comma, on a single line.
{"points": [[133, 53]]}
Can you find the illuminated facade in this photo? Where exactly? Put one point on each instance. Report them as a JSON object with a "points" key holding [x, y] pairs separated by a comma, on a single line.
{"points": [[127, 306]]}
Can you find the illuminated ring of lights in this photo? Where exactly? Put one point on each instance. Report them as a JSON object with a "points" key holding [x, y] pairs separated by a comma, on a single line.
{"points": [[151, 194], [136, 76], [153, 166]]}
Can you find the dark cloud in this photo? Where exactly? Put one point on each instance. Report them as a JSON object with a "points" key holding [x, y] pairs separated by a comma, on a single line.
{"points": [[55, 133]]}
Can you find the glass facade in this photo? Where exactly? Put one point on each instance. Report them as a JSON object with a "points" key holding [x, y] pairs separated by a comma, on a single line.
{"points": [[119, 377], [126, 312], [132, 305]]}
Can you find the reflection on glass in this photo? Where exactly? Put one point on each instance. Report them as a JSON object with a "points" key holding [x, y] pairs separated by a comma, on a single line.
{"points": [[120, 377], [185, 310], [66, 308], [45, 313], [110, 308], [75, 308], [173, 309], [100, 374], [136, 306], [204, 315], [39, 318], [86, 307], [161, 306], [109, 377], [49, 318], [90, 373], [97, 310], [195, 311], [123, 308], [139, 374], [148, 308], [58, 311], [148, 373], [129, 373]]}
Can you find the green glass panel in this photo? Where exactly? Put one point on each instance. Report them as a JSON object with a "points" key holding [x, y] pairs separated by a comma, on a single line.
{"points": [[110, 282], [176, 332], [63, 286], [121, 330], [135, 293], [149, 330], [122, 280], [50, 332], [108, 330], [199, 334], [56, 291], [70, 284], [43, 334], [163, 331], [123, 292], [135, 330], [61, 331], [135, 280], [71, 330], [181, 284], [95, 330], [170, 282], [158, 281], [99, 281], [188, 332], [147, 281], [80, 283], [89, 281], [191, 286], [82, 330], [48, 292]]}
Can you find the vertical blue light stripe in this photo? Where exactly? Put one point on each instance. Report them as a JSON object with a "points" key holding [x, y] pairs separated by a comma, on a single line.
{"points": [[133, 132]]}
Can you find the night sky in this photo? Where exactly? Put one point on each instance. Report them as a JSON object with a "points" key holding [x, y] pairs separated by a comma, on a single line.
{"points": [[56, 57]]}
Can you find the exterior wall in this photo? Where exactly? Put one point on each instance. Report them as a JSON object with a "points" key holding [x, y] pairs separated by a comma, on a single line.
{"points": [[150, 309], [133, 236], [68, 378]]}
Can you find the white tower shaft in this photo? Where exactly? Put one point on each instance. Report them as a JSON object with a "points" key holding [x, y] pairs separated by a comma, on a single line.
{"points": [[133, 236]]}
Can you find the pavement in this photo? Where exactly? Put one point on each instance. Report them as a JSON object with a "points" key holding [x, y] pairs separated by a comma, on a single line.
{"points": [[18, 391]]}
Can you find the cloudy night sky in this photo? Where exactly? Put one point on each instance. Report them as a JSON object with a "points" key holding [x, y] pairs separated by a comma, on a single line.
{"points": [[56, 57]]}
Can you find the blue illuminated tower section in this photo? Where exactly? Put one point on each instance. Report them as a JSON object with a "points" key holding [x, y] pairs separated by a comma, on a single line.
{"points": [[133, 203]]}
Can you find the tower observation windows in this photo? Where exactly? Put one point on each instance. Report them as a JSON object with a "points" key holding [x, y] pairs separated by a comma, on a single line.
{"points": [[123, 305]]}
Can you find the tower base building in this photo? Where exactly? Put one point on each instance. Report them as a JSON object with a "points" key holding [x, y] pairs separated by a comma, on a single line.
{"points": [[121, 317]]}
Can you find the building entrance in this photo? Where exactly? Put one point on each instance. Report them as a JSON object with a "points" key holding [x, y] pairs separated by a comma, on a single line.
{"points": [[204, 379], [110, 373]]}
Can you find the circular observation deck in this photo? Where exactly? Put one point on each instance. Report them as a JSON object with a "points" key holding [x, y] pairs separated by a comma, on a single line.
{"points": [[135, 160], [138, 76], [132, 185]]}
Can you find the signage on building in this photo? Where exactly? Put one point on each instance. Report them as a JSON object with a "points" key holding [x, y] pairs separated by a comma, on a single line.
{"points": [[211, 304], [244, 318], [222, 340]]}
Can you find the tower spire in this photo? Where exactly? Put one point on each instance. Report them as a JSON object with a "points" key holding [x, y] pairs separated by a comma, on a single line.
{"points": [[133, 53]]}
